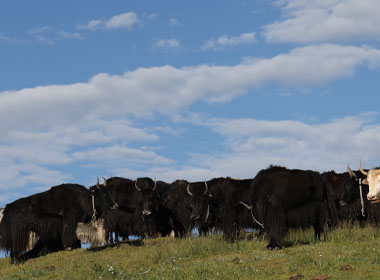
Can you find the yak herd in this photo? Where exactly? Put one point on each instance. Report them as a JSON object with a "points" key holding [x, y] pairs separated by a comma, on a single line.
{"points": [[275, 200]]}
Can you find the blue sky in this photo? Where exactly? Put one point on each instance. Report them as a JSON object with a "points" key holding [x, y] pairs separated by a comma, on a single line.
{"points": [[184, 90]]}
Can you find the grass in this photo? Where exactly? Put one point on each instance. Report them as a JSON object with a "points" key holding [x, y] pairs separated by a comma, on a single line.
{"points": [[349, 252]]}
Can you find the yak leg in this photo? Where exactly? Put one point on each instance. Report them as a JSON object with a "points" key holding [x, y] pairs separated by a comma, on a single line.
{"points": [[229, 225], [274, 224], [319, 223], [69, 237]]}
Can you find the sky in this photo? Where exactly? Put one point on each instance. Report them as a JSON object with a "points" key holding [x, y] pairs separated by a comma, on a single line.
{"points": [[184, 89]]}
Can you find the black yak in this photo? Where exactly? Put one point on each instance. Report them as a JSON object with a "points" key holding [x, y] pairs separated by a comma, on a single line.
{"points": [[283, 198], [52, 215]]}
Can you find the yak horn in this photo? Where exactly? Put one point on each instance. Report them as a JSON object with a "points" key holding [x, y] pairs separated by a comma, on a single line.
{"points": [[97, 183], [361, 169], [350, 172], [105, 182], [246, 205], [137, 188], [155, 185], [188, 189], [206, 188]]}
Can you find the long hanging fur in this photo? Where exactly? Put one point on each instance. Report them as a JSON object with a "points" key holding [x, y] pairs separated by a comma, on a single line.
{"points": [[93, 233]]}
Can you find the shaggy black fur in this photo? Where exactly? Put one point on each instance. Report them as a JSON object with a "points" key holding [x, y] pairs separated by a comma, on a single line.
{"points": [[285, 198], [53, 215], [223, 199], [131, 209]]}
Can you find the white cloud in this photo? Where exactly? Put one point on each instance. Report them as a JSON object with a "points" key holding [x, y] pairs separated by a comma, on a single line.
{"points": [[91, 25], [295, 144], [48, 35], [11, 40], [120, 156], [38, 30], [326, 20], [175, 22], [69, 35], [167, 89], [36, 156], [44, 39], [225, 40], [167, 44], [125, 20]]}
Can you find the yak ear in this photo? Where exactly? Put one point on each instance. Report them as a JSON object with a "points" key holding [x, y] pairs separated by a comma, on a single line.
{"points": [[365, 182]]}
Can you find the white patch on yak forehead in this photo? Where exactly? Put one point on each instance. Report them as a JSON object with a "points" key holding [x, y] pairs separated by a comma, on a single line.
{"points": [[373, 179]]}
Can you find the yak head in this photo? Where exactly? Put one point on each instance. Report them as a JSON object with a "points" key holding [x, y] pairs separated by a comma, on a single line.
{"points": [[147, 196], [101, 198], [351, 191], [372, 179], [199, 201]]}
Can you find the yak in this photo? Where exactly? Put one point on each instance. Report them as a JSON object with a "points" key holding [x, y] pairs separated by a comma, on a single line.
{"points": [[290, 198], [132, 205], [52, 215], [224, 201]]}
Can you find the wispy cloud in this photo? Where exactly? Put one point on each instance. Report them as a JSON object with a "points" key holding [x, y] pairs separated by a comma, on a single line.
{"points": [[75, 35], [225, 41], [48, 35], [125, 20], [167, 44], [11, 40], [38, 30], [175, 22]]}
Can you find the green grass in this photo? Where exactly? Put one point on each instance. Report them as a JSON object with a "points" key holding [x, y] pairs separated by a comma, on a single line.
{"points": [[349, 252]]}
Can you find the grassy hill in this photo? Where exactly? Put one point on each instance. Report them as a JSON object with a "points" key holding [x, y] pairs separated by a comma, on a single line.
{"points": [[348, 253]]}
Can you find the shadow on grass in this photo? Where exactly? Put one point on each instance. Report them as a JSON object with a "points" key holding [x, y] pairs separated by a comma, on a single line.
{"points": [[138, 242]]}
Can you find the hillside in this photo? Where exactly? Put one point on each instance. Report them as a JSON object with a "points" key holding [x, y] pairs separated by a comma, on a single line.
{"points": [[348, 253]]}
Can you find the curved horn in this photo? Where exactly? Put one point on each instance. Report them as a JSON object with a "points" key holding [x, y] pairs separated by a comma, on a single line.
{"points": [[207, 213], [188, 189], [97, 183], [137, 188], [206, 188], [361, 169], [246, 205], [350, 172], [155, 185], [105, 182]]}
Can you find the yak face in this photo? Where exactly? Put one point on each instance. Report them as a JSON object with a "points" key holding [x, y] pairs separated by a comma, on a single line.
{"points": [[199, 201], [101, 199], [147, 196], [199, 206], [373, 180], [351, 191], [148, 202]]}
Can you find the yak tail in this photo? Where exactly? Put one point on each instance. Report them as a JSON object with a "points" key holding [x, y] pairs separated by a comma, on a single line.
{"points": [[333, 216]]}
